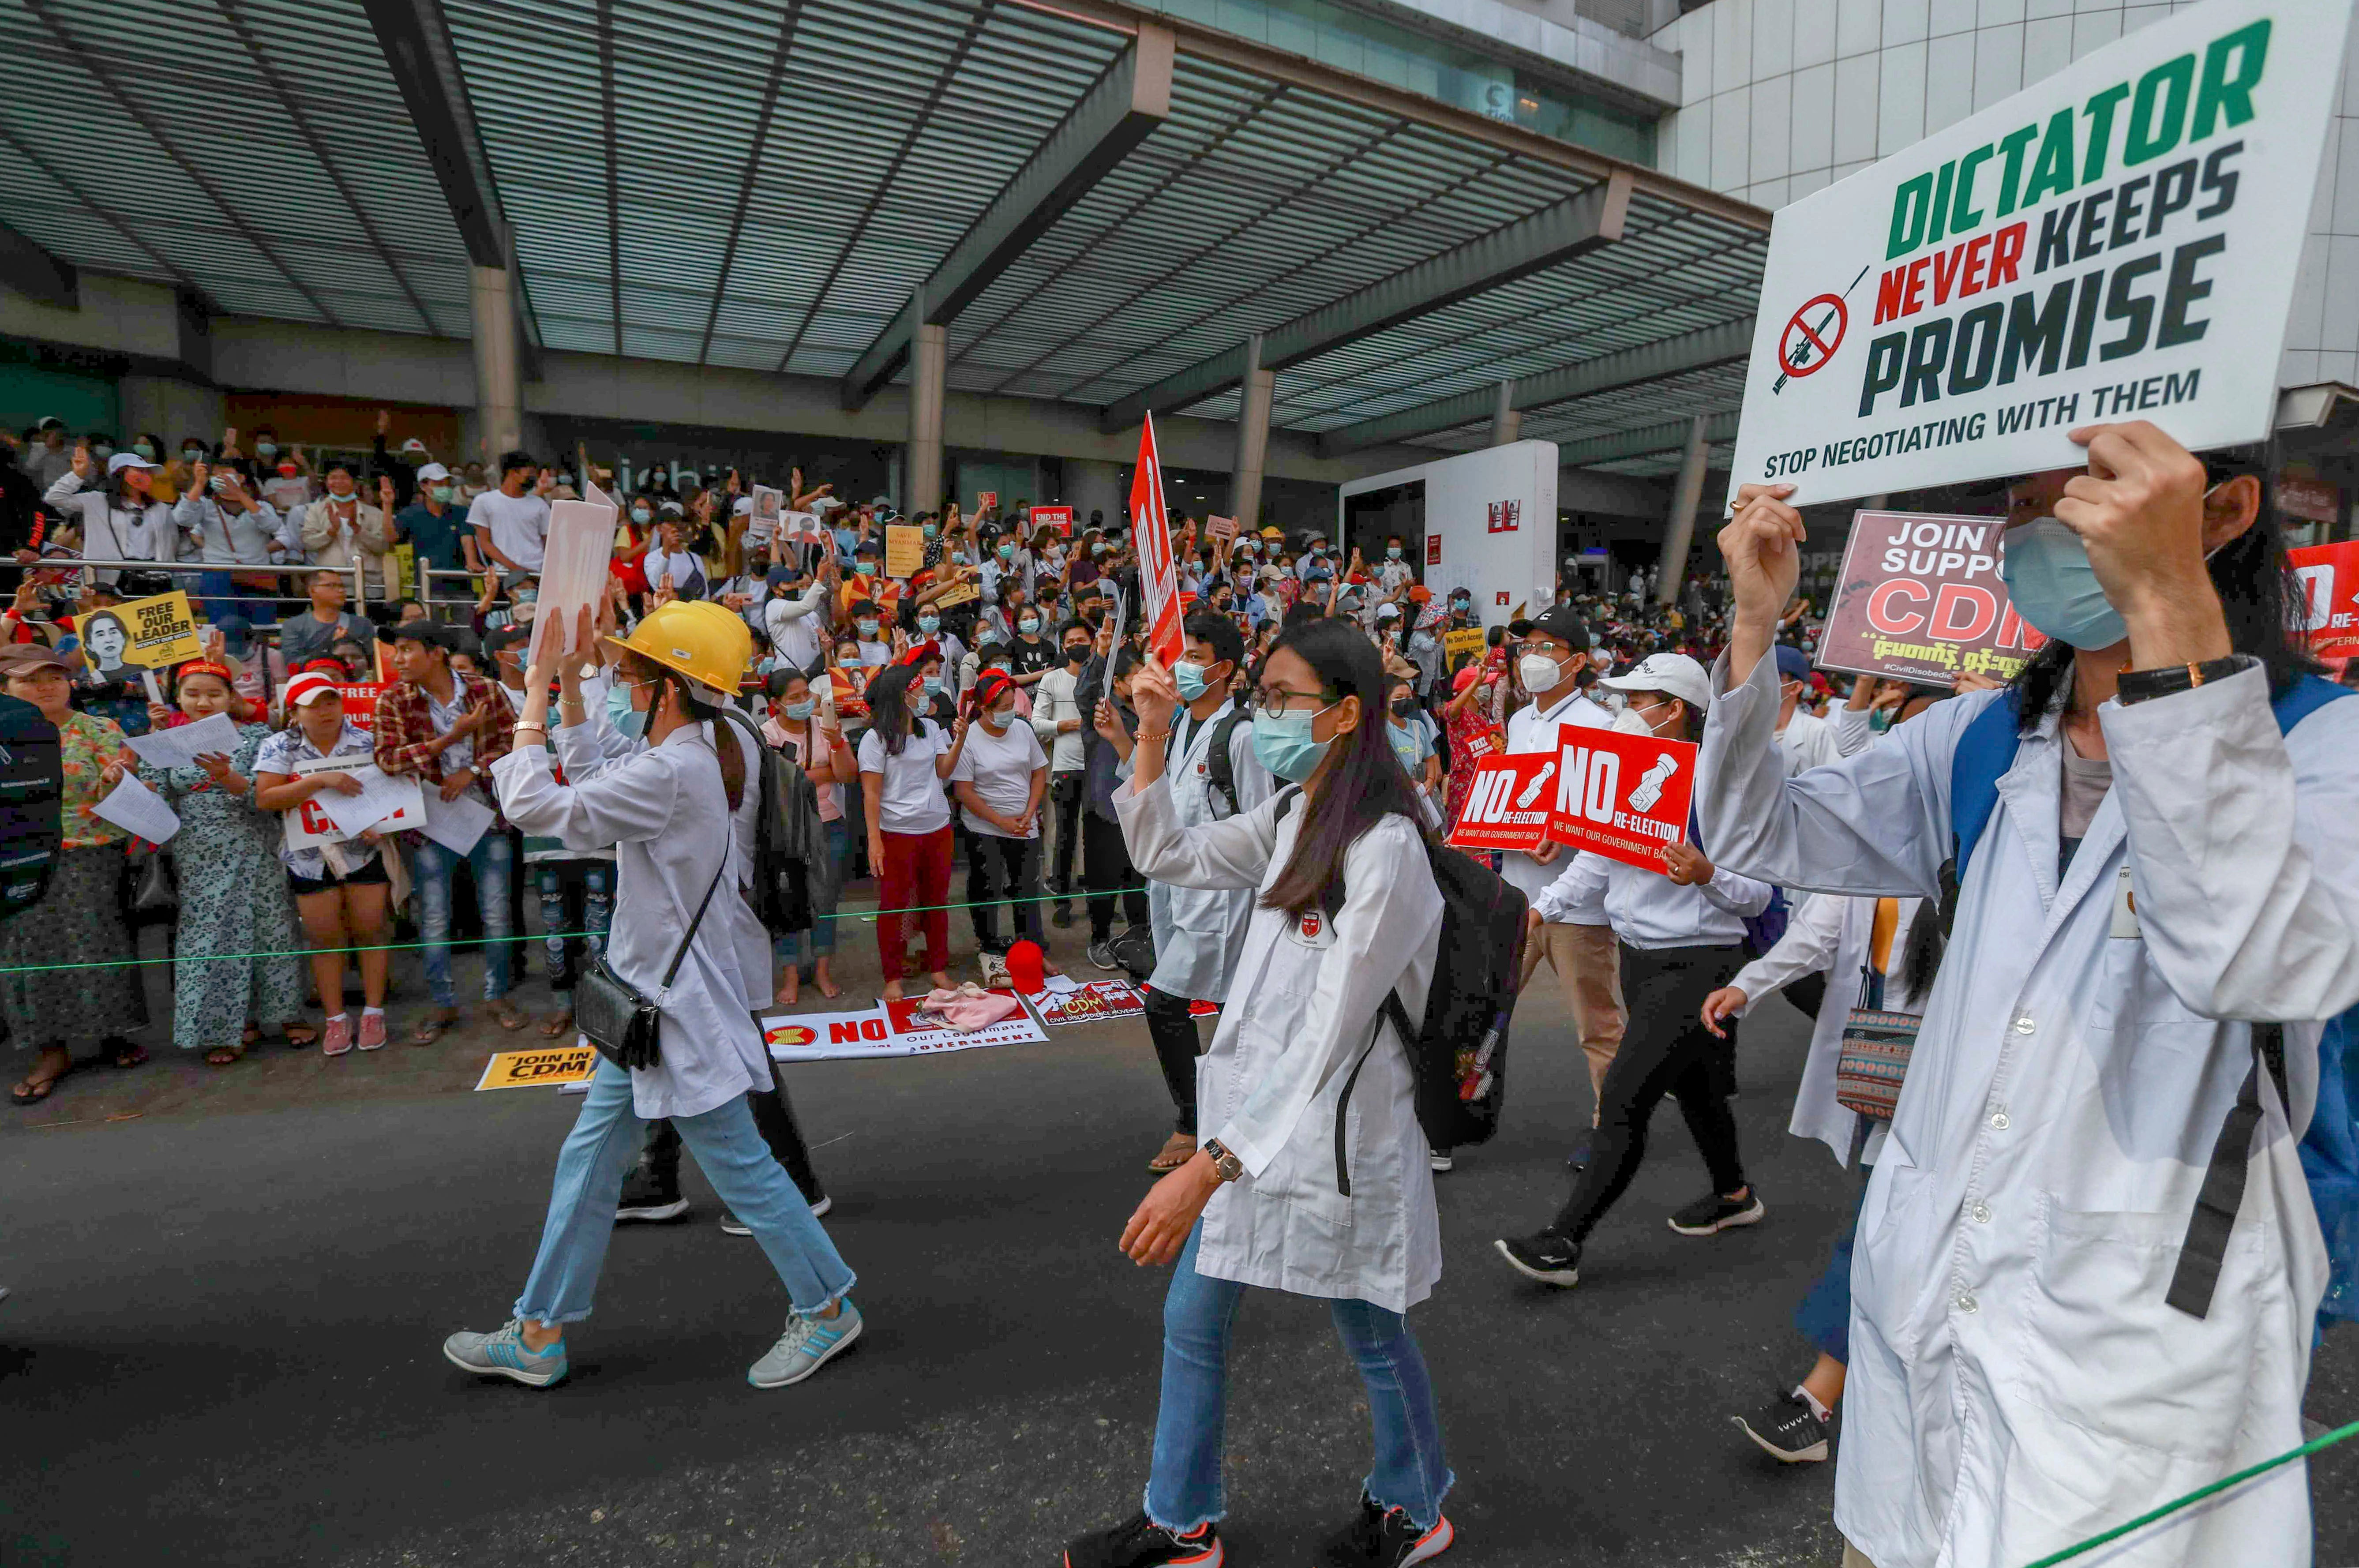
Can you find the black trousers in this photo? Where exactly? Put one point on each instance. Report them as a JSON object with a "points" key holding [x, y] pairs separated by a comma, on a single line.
{"points": [[1174, 1034], [1066, 793], [774, 1115], [1666, 1051], [1106, 870], [999, 870]]}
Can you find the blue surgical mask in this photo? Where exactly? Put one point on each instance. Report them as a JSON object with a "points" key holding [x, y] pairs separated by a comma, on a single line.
{"points": [[1285, 746], [934, 683], [929, 623], [1008, 552], [1189, 679], [1028, 624], [867, 627], [2049, 578], [800, 710], [931, 530], [1392, 552], [620, 715], [266, 449]]}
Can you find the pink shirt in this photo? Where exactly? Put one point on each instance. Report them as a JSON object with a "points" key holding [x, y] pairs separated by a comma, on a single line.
{"points": [[830, 796]]}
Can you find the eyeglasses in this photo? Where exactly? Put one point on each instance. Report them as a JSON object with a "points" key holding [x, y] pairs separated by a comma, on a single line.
{"points": [[1280, 700]]}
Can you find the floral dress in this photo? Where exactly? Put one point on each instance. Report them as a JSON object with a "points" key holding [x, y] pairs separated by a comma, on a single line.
{"points": [[78, 926], [235, 904]]}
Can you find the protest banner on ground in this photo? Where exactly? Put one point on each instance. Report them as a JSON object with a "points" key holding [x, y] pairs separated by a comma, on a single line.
{"points": [[920, 1034], [360, 701], [1623, 796], [2329, 576], [2116, 241], [889, 1029], [1150, 529], [1087, 1001], [1465, 639], [540, 1068], [1507, 802], [905, 551], [1919, 598], [162, 630], [1058, 517]]}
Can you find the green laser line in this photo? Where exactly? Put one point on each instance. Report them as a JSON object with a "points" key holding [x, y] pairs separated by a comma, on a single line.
{"points": [[2341, 1434], [859, 914]]}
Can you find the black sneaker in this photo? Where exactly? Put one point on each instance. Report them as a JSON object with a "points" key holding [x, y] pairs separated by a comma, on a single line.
{"points": [[1712, 1214], [1544, 1255], [1383, 1538], [1061, 916], [1578, 1160], [1102, 954], [1787, 1429], [1140, 1542], [646, 1197]]}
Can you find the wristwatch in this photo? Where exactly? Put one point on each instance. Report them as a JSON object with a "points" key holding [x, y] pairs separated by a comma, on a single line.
{"points": [[1226, 1166], [2143, 685]]}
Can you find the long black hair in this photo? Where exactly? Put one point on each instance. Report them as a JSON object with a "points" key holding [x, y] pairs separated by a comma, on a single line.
{"points": [[1362, 782], [889, 713], [2256, 592]]}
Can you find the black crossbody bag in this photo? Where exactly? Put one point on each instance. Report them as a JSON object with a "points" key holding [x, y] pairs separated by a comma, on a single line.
{"points": [[626, 1026]]}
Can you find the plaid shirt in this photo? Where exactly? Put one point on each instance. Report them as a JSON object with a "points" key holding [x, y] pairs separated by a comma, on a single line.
{"points": [[406, 730]]}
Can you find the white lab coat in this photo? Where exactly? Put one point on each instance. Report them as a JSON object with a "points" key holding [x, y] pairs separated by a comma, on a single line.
{"points": [[2017, 1382], [1338, 1196], [1198, 931], [663, 809], [1809, 741], [1831, 933]]}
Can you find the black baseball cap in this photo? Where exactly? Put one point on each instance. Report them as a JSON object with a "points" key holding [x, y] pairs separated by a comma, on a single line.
{"points": [[1559, 621]]}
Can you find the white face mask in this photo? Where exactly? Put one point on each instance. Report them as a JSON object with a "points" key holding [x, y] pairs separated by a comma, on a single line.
{"points": [[1630, 721], [1540, 672]]}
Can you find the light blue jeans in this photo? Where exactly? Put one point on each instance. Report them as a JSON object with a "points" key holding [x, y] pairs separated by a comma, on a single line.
{"points": [[1184, 1487], [600, 1149], [431, 867]]}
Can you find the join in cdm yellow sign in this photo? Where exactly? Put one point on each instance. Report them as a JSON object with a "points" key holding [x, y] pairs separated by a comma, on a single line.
{"points": [[536, 1069]]}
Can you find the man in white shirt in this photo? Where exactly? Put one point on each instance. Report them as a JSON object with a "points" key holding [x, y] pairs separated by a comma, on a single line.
{"points": [[511, 523], [1552, 650], [1058, 720]]}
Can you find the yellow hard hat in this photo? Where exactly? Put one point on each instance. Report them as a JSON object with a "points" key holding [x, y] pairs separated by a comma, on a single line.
{"points": [[695, 637]]}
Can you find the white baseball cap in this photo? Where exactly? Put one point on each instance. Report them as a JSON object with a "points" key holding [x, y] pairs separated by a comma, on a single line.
{"points": [[426, 471], [742, 508], [1673, 672], [1389, 611], [413, 445], [123, 460]]}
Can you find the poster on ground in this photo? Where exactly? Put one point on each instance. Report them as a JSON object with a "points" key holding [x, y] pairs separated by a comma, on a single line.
{"points": [[1088, 1002], [2117, 241], [887, 1030], [1919, 599], [538, 1069], [161, 631], [1623, 796], [2329, 576], [1507, 804]]}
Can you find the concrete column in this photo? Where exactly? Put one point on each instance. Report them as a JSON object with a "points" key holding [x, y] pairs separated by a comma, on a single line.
{"points": [[929, 364], [1506, 420], [172, 408], [1094, 486], [1253, 437], [499, 387], [1679, 533]]}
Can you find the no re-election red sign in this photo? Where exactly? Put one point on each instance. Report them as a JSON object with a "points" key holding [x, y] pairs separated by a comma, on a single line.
{"points": [[1623, 796], [1507, 804], [2329, 576]]}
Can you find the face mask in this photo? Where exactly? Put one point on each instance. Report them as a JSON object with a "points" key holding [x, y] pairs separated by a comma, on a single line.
{"points": [[1189, 679], [441, 493], [1630, 721], [1405, 706], [2049, 578], [1392, 552], [641, 515], [931, 530], [1077, 653], [1097, 550], [1540, 672], [1284, 744], [999, 718], [146, 450], [867, 628], [800, 710], [930, 624], [985, 636], [1008, 552], [620, 715], [525, 595], [934, 684], [266, 449], [192, 455], [1460, 606], [1028, 624], [101, 450]]}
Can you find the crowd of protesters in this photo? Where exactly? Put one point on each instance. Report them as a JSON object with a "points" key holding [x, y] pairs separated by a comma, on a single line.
{"points": [[995, 707]]}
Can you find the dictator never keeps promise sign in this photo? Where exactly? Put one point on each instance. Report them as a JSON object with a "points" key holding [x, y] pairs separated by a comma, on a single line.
{"points": [[2116, 242]]}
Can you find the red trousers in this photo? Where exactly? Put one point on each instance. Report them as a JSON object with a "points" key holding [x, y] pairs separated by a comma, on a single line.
{"points": [[915, 873]]}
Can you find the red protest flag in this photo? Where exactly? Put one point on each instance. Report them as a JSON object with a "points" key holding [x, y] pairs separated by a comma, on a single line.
{"points": [[1151, 529]]}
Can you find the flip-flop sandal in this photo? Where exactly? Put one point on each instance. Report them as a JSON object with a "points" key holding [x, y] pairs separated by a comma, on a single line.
{"points": [[121, 1053], [33, 1091], [225, 1056], [299, 1037], [505, 1014], [250, 1037], [556, 1024], [428, 1029]]}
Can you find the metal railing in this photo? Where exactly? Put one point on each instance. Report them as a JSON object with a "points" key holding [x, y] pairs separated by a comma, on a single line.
{"points": [[358, 589]]}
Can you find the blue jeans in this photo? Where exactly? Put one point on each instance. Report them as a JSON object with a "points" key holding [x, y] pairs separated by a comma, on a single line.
{"points": [[430, 866], [1824, 1316], [597, 879], [799, 947], [604, 1144], [1184, 1488]]}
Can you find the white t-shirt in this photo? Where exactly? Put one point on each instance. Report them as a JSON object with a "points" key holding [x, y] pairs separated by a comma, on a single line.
{"points": [[519, 525], [1000, 768], [913, 800]]}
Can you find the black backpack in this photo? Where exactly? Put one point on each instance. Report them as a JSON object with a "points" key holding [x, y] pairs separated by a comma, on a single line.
{"points": [[32, 785], [1459, 1057], [789, 844]]}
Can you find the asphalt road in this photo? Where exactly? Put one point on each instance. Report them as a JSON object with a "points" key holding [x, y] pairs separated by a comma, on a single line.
{"points": [[225, 1343]]}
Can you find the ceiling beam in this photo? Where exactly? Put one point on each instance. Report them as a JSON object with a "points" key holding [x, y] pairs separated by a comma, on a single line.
{"points": [[1128, 100], [27, 269], [415, 38], [1700, 350], [1645, 441], [1555, 234]]}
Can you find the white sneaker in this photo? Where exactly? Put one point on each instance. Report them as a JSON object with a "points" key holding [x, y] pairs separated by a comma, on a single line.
{"points": [[1440, 1159], [808, 1345]]}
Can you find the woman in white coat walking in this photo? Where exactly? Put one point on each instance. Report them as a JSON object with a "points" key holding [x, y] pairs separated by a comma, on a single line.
{"points": [[1314, 1178], [2159, 864], [670, 811]]}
